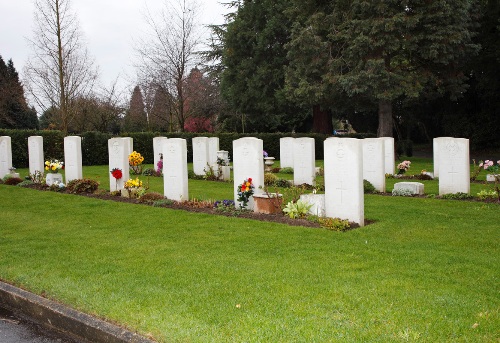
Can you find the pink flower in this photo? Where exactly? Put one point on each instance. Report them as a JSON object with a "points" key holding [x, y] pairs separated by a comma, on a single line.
{"points": [[498, 162]]}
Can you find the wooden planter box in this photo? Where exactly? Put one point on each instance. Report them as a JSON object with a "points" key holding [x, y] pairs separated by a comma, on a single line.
{"points": [[269, 204]]}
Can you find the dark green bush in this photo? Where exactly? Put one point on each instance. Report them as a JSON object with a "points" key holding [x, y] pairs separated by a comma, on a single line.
{"points": [[82, 186], [368, 188]]}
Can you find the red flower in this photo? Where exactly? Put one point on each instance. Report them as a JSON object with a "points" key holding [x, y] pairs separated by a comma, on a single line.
{"points": [[250, 179], [116, 173]]}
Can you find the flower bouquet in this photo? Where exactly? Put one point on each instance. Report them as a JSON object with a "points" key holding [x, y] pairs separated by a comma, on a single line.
{"points": [[403, 167], [54, 166], [117, 174], [245, 191], [132, 186], [135, 160]]}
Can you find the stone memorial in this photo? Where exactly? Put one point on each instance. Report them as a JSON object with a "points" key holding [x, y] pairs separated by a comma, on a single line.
{"points": [[213, 147], [200, 155], [435, 154], [374, 162], [248, 163], [118, 150], [73, 158], [304, 167], [157, 150], [286, 152], [5, 155], [175, 172], [453, 165], [224, 168], [389, 156], [416, 188], [35, 152], [317, 201], [344, 197]]}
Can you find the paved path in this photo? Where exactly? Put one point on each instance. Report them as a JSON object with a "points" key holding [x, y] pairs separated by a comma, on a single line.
{"points": [[16, 330]]}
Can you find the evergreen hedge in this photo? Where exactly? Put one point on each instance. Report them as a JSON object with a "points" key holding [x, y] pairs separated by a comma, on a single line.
{"points": [[95, 144]]}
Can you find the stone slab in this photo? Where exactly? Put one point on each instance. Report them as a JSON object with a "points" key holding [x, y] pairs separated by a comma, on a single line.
{"points": [[415, 188]]}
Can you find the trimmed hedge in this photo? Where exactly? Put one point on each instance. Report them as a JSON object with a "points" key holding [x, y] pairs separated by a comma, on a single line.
{"points": [[95, 144]]}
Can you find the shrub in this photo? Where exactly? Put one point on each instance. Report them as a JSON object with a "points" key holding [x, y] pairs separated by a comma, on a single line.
{"points": [[12, 181], [275, 170], [297, 209], [334, 224], [368, 188], [487, 194], [37, 177], [457, 196], [25, 183], [282, 183], [193, 176], [269, 179], [150, 198], [82, 186], [149, 172], [163, 202], [286, 170], [402, 192]]}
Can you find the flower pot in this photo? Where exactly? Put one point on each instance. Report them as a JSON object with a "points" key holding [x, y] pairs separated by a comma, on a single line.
{"points": [[268, 161], [52, 178], [269, 204]]}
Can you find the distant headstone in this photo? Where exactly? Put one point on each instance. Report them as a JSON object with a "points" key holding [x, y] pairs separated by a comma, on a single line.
{"points": [[157, 150], [317, 201], [5, 155], [435, 154], [304, 167], [374, 162], [453, 165], [175, 172], [35, 151], [248, 163], [223, 155], [200, 155], [73, 158], [213, 147], [225, 169], [344, 197], [389, 160], [118, 151], [286, 152], [416, 188]]}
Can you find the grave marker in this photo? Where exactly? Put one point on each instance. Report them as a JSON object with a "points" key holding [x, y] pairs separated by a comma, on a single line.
{"points": [[5, 155], [373, 162], [213, 147], [73, 158], [453, 165], [286, 152], [118, 151], [157, 150], [389, 156], [175, 172], [248, 163], [35, 151], [200, 155], [304, 169]]}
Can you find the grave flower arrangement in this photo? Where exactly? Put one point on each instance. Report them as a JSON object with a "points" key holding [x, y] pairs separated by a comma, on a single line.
{"points": [[245, 191], [135, 160], [159, 166], [117, 174], [265, 154], [403, 167], [54, 166], [491, 166], [133, 186]]}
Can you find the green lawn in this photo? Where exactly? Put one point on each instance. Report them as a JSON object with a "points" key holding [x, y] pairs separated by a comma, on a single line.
{"points": [[426, 269]]}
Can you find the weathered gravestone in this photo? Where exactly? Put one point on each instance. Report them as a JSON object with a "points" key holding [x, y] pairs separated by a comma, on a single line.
{"points": [[453, 165], [73, 158], [373, 162], [5, 155], [118, 151], [415, 188], [389, 160], [248, 163], [175, 172], [35, 152], [213, 147], [200, 155], [157, 150], [304, 168], [317, 202], [286, 152], [344, 197]]}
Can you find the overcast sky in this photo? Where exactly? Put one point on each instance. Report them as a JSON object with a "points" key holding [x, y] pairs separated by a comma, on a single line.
{"points": [[110, 28]]}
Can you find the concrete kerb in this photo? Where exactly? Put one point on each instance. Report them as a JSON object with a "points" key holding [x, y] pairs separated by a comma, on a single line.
{"points": [[65, 319]]}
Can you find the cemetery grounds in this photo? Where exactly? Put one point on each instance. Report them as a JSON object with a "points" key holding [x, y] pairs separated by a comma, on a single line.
{"points": [[424, 269]]}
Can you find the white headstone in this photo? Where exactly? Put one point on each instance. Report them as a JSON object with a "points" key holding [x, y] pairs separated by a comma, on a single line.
{"points": [[416, 188], [248, 163], [374, 162], [344, 197], [73, 158], [286, 152], [390, 159], [304, 167], [200, 155], [175, 172], [118, 150], [317, 201], [453, 165], [223, 155], [5, 155], [213, 147], [435, 154], [157, 150], [35, 151]]}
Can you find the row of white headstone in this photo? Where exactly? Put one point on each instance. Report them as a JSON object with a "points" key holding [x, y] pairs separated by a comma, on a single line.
{"points": [[347, 162]]}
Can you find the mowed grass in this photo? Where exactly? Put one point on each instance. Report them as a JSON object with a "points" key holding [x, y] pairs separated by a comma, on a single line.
{"points": [[426, 270]]}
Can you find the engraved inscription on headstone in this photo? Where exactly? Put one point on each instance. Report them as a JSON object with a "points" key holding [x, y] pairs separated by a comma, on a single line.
{"points": [[453, 165]]}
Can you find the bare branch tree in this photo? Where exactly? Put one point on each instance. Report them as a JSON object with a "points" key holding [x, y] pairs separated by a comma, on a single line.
{"points": [[60, 69], [169, 53]]}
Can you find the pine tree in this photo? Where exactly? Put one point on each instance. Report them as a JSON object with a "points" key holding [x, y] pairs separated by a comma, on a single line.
{"points": [[135, 118]]}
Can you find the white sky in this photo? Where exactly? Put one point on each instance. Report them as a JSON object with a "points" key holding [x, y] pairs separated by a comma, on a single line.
{"points": [[110, 27]]}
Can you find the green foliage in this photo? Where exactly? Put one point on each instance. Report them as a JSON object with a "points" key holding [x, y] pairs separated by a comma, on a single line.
{"points": [[82, 186], [286, 170], [12, 181], [402, 192], [487, 194], [270, 179], [163, 203], [38, 177], [335, 224], [457, 196], [25, 183], [368, 188], [297, 209], [404, 147], [282, 183], [149, 172], [151, 197]]}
